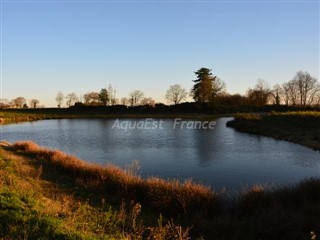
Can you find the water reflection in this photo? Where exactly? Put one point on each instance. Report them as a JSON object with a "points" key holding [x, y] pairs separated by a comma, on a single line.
{"points": [[219, 157]]}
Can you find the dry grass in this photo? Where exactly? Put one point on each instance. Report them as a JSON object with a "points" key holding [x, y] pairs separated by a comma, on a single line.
{"points": [[173, 196], [258, 213], [34, 208], [295, 114], [314, 114], [248, 116], [7, 118]]}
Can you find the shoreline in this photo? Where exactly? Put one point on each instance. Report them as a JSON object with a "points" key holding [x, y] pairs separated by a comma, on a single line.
{"points": [[83, 194], [8, 117], [297, 127], [195, 209]]}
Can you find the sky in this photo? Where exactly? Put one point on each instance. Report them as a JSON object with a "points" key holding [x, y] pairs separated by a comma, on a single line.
{"points": [[82, 46]]}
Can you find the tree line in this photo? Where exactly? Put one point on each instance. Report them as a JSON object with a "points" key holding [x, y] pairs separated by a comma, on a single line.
{"points": [[20, 102], [302, 90], [206, 88]]}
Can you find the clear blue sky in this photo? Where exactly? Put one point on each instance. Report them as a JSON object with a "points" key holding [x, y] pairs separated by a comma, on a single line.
{"points": [[84, 46]]}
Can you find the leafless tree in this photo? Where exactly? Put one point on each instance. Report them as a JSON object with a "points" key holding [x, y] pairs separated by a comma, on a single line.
{"points": [[71, 99], [148, 102], [59, 99], [19, 102], [218, 86], [112, 94], [317, 100], [91, 98], [34, 103], [4, 103], [176, 94], [307, 86], [303, 90], [135, 97], [291, 93], [259, 96], [124, 101], [276, 94]]}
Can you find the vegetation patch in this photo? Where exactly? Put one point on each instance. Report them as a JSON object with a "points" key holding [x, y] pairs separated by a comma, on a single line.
{"points": [[300, 127], [51, 194]]}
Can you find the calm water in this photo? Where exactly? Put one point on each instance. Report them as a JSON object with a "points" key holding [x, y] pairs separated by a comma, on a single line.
{"points": [[221, 157]]}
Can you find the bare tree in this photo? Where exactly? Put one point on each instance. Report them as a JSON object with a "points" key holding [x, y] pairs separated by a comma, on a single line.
{"points": [[308, 87], [11, 104], [135, 97], [218, 86], [19, 102], [176, 94], [91, 98], [124, 101], [34, 103], [317, 100], [4, 103], [71, 99], [148, 102], [302, 90], [259, 96], [59, 99], [276, 94], [291, 93], [112, 94]]}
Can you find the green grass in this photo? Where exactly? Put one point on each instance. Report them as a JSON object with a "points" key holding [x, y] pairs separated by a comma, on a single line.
{"points": [[56, 196]]}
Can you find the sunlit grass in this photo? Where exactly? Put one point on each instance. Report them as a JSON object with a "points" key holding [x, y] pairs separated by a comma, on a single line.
{"points": [[173, 196], [297, 113], [299, 126], [260, 116], [34, 208], [248, 116], [67, 198], [7, 117]]}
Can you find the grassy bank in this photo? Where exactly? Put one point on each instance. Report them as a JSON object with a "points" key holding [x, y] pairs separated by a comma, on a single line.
{"points": [[8, 116], [50, 194], [297, 127]]}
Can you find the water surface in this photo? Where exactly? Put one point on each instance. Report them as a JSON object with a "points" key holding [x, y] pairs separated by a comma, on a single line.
{"points": [[219, 157]]}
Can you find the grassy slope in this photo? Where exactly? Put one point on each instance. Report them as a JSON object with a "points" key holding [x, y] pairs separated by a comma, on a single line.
{"points": [[50, 194], [37, 201], [298, 127]]}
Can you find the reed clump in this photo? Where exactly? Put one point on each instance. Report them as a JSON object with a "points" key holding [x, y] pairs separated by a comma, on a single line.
{"points": [[170, 196]]}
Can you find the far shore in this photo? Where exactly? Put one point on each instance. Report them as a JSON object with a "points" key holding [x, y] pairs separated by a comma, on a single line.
{"points": [[8, 116], [301, 127]]}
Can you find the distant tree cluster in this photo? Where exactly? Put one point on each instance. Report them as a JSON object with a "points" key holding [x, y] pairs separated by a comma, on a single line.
{"points": [[105, 97], [302, 90], [175, 94], [19, 102]]}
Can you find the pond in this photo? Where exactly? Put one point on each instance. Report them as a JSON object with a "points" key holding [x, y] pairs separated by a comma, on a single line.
{"points": [[217, 156]]}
